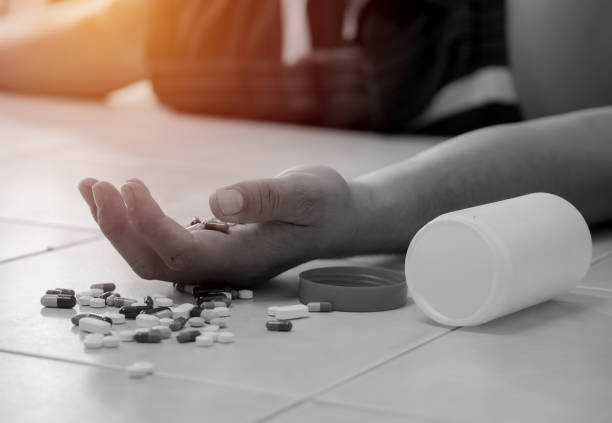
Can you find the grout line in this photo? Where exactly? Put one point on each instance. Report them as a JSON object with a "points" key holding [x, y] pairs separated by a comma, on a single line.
{"points": [[601, 257], [49, 249], [61, 359], [32, 222], [344, 380]]}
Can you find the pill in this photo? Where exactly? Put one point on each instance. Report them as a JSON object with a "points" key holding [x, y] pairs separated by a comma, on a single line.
{"points": [[207, 305], [148, 336], [222, 323], [140, 304], [203, 291], [86, 293], [245, 294], [95, 292], [216, 225], [188, 336], [194, 221], [196, 322], [218, 300], [225, 337], [232, 292], [163, 302], [160, 312], [210, 328], [279, 325], [181, 311], [117, 318], [97, 303], [146, 321], [84, 300], [93, 325], [93, 342], [297, 311], [208, 315], [105, 287], [105, 295], [272, 311], [120, 302], [63, 291], [110, 300], [58, 301], [149, 301], [223, 311], [195, 312], [131, 311], [77, 318], [177, 324], [204, 340], [126, 335], [165, 321], [320, 307], [213, 335], [140, 369], [164, 331], [111, 341]]}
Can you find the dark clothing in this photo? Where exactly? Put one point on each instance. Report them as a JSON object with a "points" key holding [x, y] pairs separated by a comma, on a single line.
{"points": [[224, 57]]}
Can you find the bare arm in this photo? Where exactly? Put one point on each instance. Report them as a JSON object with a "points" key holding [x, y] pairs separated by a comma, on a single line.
{"points": [[568, 155], [74, 48]]}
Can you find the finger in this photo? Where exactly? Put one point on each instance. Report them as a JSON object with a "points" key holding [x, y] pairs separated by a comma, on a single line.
{"points": [[290, 198], [114, 223], [171, 241], [85, 190]]}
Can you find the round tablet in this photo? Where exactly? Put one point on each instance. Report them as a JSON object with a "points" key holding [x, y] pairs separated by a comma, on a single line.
{"points": [[97, 302], [84, 300], [225, 337], [163, 302], [196, 322]]}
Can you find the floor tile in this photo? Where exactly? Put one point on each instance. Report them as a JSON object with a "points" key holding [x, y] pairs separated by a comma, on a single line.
{"points": [[548, 363], [17, 240], [66, 392], [331, 346]]}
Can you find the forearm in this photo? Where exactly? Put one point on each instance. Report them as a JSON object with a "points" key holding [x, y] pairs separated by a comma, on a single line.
{"points": [[568, 155], [77, 48]]}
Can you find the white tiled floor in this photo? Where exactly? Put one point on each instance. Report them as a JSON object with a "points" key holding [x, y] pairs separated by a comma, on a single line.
{"points": [[548, 363]]}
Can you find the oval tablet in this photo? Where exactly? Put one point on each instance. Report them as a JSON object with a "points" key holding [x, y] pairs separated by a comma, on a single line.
{"points": [[225, 337], [97, 302], [204, 341], [93, 325]]}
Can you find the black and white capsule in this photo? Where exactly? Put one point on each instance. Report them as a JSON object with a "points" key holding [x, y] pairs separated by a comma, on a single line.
{"points": [[62, 291], [177, 324], [279, 325], [131, 311], [188, 336], [151, 336], [75, 319], [320, 307], [105, 287], [58, 301]]}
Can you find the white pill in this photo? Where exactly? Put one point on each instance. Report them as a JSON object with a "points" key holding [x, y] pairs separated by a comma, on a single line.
{"points": [[223, 311], [164, 330], [84, 294], [165, 321], [225, 337], [245, 294], [204, 341], [90, 324], [84, 300], [139, 304], [147, 321], [126, 335], [222, 323], [97, 302], [208, 315], [93, 342], [180, 312], [111, 341], [186, 306], [163, 302], [272, 311], [196, 322], [117, 318], [94, 292], [210, 328], [291, 312], [140, 369]]}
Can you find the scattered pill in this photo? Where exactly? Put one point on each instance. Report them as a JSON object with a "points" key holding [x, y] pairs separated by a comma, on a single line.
{"points": [[232, 292], [84, 300], [196, 322], [86, 293], [177, 324], [117, 318], [120, 302], [320, 307], [94, 325], [194, 221], [97, 303], [111, 341], [216, 225], [105, 295], [77, 318], [131, 311], [272, 311], [63, 291], [225, 337], [245, 294], [164, 331], [58, 301], [181, 311], [126, 335], [279, 325], [211, 328], [146, 321], [96, 292], [213, 335], [204, 340], [207, 305], [93, 342], [110, 300], [148, 336], [223, 311], [188, 336], [149, 301], [105, 287], [140, 304], [140, 369], [195, 312], [163, 302], [208, 315], [297, 311], [222, 323], [166, 321]]}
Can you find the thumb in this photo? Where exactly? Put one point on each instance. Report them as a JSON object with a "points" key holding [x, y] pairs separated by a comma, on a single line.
{"points": [[292, 198]]}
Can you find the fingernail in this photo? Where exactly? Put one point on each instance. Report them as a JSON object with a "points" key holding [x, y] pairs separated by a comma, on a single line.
{"points": [[230, 201], [138, 181], [99, 195], [128, 197]]}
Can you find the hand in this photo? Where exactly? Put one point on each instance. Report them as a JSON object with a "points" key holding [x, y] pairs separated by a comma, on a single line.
{"points": [[302, 214]]}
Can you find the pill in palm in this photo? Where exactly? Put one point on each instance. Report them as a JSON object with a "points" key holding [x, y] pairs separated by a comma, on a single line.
{"points": [[58, 301], [94, 325], [297, 311], [147, 320], [225, 337], [245, 294], [320, 307], [204, 340]]}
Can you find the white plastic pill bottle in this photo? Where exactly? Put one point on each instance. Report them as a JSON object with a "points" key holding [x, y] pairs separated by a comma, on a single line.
{"points": [[471, 266]]}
